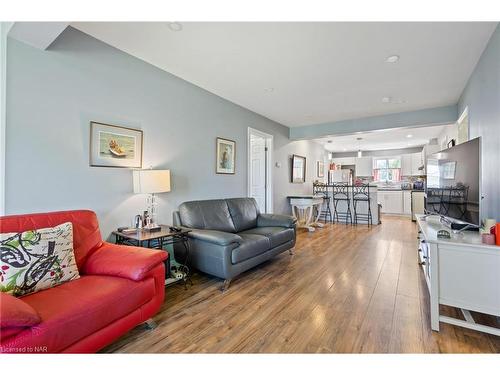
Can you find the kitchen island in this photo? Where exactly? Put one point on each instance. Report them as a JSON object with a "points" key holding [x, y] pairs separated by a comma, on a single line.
{"points": [[362, 207]]}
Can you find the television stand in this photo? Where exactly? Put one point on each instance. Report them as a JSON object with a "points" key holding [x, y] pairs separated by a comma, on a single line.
{"points": [[460, 272]]}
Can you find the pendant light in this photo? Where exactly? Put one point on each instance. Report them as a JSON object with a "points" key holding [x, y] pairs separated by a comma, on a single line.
{"points": [[360, 153]]}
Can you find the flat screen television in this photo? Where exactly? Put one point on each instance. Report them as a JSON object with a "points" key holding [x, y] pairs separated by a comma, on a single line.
{"points": [[452, 188]]}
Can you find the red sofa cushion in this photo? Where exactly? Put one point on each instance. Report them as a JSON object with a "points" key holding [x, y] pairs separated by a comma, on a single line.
{"points": [[86, 234], [123, 261], [15, 313], [79, 308]]}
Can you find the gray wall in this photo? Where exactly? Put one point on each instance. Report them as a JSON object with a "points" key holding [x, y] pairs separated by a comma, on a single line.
{"points": [[482, 97], [51, 97]]}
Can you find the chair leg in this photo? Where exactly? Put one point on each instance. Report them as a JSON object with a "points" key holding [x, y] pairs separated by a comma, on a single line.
{"points": [[225, 285], [348, 215], [150, 324], [354, 205]]}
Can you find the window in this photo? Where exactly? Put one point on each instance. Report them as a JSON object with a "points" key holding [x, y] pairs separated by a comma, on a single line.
{"points": [[388, 169]]}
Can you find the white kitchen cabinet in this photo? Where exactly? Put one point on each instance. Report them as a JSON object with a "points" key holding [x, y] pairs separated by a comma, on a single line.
{"points": [[427, 151], [392, 202], [406, 165], [407, 202], [345, 161], [364, 166], [416, 163]]}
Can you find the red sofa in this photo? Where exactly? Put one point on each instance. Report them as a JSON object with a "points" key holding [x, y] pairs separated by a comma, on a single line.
{"points": [[119, 287]]}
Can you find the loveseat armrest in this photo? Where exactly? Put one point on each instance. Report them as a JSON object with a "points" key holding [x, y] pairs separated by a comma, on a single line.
{"points": [[272, 220], [215, 236], [128, 262]]}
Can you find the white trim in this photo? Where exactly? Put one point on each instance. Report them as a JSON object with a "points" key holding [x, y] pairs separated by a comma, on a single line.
{"points": [[269, 171], [4, 29]]}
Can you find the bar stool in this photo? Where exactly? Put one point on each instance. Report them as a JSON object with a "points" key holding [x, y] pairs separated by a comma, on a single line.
{"points": [[361, 193], [325, 211], [340, 193]]}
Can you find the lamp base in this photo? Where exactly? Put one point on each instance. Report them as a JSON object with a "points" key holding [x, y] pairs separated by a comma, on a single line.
{"points": [[152, 228]]}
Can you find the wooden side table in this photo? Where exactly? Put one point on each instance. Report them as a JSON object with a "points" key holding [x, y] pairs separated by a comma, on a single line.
{"points": [[157, 240]]}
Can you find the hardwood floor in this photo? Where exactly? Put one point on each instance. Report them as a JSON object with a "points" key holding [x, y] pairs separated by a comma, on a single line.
{"points": [[347, 289]]}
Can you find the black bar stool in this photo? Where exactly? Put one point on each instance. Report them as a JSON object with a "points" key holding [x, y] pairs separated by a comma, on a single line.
{"points": [[325, 212], [340, 193], [361, 193]]}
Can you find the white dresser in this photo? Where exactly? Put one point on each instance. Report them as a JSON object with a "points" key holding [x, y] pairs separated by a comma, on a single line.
{"points": [[460, 272]]}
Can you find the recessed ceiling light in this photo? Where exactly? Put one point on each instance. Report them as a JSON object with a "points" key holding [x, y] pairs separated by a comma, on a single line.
{"points": [[388, 99], [269, 89], [174, 26], [392, 59], [409, 136]]}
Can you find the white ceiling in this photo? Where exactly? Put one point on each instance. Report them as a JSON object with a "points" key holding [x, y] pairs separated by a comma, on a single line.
{"points": [[308, 73], [383, 139]]}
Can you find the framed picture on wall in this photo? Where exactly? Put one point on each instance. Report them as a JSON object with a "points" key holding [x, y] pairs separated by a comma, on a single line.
{"points": [[298, 169], [320, 168], [115, 146], [225, 156]]}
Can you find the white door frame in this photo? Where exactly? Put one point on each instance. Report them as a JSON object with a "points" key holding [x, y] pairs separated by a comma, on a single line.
{"points": [[4, 29], [269, 163]]}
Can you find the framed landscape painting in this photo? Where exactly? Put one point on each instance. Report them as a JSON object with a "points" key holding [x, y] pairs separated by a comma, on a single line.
{"points": [[225, 156], [115, 146]]}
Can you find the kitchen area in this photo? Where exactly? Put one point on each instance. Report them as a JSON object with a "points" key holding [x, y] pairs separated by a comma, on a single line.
{"points": [[393, 163]]}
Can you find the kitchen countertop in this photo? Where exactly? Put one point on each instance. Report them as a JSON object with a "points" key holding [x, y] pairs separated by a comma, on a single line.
{"points": [[397, 189]]}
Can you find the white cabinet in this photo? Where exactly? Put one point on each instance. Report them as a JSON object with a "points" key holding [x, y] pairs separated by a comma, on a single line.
{"points": [[427, 151], [392, 201], [364, 166], [407, 202], [416, 163], [410, 164], [406, 165], [345, 161]]}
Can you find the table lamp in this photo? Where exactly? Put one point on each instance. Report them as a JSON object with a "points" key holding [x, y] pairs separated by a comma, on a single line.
{"points": [[151, 182]]}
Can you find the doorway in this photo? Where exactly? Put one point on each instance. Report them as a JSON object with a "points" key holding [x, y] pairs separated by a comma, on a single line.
{"points": [[260, 147]]}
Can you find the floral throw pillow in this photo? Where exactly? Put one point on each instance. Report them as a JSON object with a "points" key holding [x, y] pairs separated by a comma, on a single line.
{"points": [[36, 259]]}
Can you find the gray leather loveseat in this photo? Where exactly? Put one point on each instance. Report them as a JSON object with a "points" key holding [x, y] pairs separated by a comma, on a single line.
{"points": [[230, 236]]}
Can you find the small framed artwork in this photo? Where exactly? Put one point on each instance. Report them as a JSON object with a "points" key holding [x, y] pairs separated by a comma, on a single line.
{"points": [[321, 168], [115, 146], [225, 156], [298, 169]]}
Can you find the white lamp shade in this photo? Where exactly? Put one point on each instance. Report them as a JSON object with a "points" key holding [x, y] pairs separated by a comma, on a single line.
{"points": [[149, 181]]}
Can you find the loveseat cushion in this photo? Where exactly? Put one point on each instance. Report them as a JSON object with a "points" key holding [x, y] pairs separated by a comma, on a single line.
{"points": [[276, 235], [244, 212], [15, 313], [74, 310], [207, 214], [251, 246]]}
